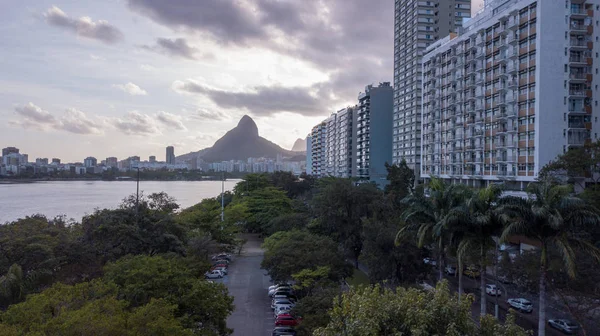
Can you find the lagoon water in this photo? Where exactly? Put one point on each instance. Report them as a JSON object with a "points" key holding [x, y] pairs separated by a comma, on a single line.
{"points": [[78, 198]]}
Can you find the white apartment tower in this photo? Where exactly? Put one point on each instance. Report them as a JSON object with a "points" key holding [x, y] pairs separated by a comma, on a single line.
{"points": [[318, 143], [505, 97], [418, 24]]}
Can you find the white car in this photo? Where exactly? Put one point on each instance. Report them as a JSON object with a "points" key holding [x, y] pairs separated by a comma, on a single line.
{"points": [[280, 288], [450, 270], [214, 274], [563, 325], [281, 302], [493, 290], [277, 285], [521, 304], [222, 269], [283, 309]]}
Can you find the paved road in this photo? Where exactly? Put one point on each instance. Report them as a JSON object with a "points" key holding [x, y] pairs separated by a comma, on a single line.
{"points": [[248, 284]]}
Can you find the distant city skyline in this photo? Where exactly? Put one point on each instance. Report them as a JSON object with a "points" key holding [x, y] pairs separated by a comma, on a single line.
{"points": [[131, 77]]}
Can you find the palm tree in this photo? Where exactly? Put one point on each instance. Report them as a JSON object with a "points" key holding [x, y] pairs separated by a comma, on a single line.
{"points": [[475, 224], [550, 217], [427, 216]]}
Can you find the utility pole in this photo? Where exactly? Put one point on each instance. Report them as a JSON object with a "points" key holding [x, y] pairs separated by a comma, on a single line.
{"points": [[496, 279], [137, 195], [223, 198]]}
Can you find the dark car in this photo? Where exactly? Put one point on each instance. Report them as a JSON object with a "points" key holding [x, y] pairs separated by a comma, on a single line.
{"points": [[279, 331]]}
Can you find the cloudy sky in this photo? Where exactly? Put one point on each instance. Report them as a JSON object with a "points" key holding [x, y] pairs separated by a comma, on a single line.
{"points": [[129, 77]]}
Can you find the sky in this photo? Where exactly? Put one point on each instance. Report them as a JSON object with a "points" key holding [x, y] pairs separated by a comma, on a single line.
{"points": [[130, 77]]}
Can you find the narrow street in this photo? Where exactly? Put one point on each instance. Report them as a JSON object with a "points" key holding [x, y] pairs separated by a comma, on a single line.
{"points": [[248, 284]]}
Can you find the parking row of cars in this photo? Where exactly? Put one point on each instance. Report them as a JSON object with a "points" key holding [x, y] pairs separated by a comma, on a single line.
{"points": [[283, 301], [220, 266]]}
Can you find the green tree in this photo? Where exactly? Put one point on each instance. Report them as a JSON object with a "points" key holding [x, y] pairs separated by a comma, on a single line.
{"points": [[287, 222], [402, 181], [427, 217], [551, 218], [474, 225], [146, 226], [252, 182], [263, 206], [290, 252], [339, 208], [89, 308], [373, 311], [197, 301], [398, 264], [576, 165]]}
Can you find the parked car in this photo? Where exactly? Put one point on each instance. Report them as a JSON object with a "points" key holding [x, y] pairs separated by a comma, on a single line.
{"points": [[222, 256], [564, 325], [429, 261], [281, 302], [287, 320], [214, 274], [286, 292], [284, 331], [450, 270], [275, 290], [521, 304], [275, 286], [472, 272], [283, 309], [221, 261], [493, 290], [220, 268]]}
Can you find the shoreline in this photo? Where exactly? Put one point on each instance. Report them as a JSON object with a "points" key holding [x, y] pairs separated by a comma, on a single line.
{"points": [[28, 181]]}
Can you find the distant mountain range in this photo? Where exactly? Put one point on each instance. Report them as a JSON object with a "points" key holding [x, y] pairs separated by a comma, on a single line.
{"points": [[299, 145], [240, 143]]}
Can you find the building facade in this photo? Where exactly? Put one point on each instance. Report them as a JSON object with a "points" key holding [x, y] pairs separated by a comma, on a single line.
{"points": [[90, 162], [417, 25], [318, 136], [170, 157], [504, 98], [309, 155], [374, 116]]}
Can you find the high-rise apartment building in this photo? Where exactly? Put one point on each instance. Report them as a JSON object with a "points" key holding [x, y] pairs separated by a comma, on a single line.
{"points": [[170, 159], [112, 162], [318, 136], [417, 25], [152, 159], [505, 97], [330, 145], [10, 150], [374, 132], [345, 133], [309, 154], [90, 161]]}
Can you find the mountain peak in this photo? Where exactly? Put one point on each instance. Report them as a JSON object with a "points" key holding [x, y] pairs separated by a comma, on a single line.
{"points": [[248, 125], [299, 145]]}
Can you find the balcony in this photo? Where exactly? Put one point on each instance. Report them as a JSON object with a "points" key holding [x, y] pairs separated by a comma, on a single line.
{"points": [[577, 60], [579, 44], [577, 124], [578, 13], [577, 93]]}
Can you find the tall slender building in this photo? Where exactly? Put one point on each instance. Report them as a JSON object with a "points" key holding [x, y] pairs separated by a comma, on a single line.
{"points": [[418, 24], [506, 96], [170, 155], [318, 139]]}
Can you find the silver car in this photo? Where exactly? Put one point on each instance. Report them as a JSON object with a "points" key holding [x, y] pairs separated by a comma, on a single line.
{"points": [[564, 325], [521, 304]]}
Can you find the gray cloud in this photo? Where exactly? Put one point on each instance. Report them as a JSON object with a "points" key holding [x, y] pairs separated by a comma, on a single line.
{"points": [[262, 100], [204, 114], [84, 26], [72, 121], [171, 120], [35, 114], [226, 21], [351, 41], [77, 122], [176, 48], [136, 123]]}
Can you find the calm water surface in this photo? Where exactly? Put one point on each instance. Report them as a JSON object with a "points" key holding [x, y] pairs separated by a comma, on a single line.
{"points": [[78, 198]]}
